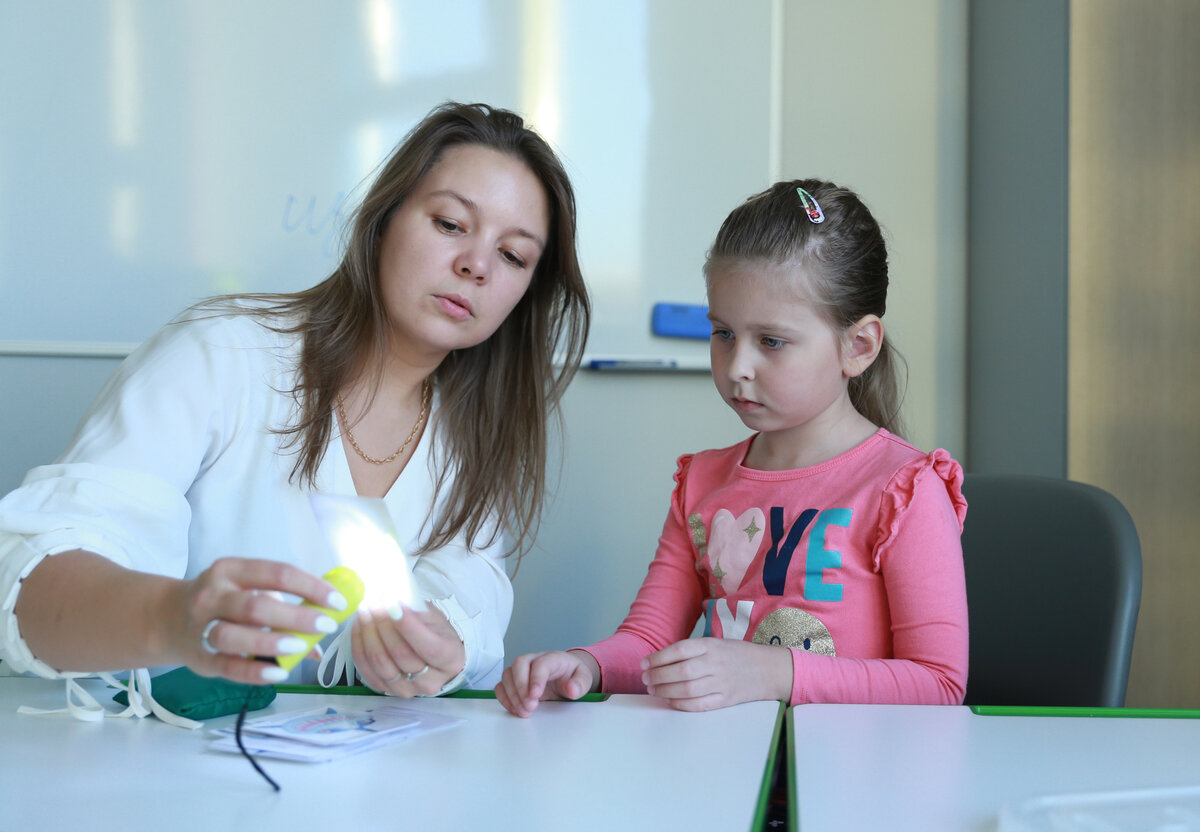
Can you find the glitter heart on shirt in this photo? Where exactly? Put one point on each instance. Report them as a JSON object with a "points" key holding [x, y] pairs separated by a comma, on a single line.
{"points": [[733, 543]]}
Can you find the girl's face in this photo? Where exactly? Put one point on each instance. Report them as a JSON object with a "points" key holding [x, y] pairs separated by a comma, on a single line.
{"points": [[775, 360], [459, 253]]}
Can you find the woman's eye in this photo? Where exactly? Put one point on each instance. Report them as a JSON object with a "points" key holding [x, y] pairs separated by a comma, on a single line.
{"points": [[513, 259], [449, 226]]}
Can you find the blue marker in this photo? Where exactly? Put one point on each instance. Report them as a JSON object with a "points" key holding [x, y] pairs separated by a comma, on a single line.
{"points": [[633, 364]]}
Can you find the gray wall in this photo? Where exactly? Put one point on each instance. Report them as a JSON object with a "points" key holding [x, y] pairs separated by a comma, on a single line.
{"points": [[1017, 238], [44, 400]]}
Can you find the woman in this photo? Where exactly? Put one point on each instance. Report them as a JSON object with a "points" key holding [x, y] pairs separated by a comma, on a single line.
{"points": [[421, 371]]}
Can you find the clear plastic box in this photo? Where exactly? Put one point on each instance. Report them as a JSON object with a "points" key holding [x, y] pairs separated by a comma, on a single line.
{"points": [[1174, 809]]}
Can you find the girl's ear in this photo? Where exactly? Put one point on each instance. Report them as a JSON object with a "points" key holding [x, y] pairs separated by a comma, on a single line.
{"points": [[864, 340]]}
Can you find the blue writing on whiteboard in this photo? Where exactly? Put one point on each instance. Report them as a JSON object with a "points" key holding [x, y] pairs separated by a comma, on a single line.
{"points": [[305, 219]]}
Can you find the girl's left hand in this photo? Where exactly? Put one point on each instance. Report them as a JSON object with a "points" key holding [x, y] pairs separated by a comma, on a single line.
{"points": [[416, 655], [702, 674]]}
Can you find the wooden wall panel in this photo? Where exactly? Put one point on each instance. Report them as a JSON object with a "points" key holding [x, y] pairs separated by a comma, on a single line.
{"points": [[1134, 301]]}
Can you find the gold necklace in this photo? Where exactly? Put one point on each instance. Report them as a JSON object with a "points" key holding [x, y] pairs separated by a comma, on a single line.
{"points": [[426, 393]]}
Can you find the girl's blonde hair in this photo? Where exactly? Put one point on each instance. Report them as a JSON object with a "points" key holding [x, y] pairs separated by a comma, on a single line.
{"points": [[496, 398], [844, 256]]}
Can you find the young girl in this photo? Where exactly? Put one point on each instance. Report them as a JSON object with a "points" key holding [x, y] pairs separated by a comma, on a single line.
{"points": [[158, 536], [824, 550]]}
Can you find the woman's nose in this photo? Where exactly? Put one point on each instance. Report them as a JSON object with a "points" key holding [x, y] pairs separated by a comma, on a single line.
{"points": [[471, 263]]}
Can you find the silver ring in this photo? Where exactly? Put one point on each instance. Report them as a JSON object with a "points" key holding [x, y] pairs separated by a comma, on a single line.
{"points": [[408, 677], [204, 642]]}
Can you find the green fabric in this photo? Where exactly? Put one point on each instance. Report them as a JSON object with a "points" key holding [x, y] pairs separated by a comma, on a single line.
{"points": [[184, 693]]}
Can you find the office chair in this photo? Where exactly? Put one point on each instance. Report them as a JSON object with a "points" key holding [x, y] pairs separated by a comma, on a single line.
{"points": [[1054, 581]]}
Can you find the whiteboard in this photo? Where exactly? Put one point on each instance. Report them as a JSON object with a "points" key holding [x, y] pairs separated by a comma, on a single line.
{"points": [[154, 153]]}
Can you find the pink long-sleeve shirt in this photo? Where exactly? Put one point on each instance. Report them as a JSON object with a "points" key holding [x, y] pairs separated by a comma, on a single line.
{"points": [[854, 564]]}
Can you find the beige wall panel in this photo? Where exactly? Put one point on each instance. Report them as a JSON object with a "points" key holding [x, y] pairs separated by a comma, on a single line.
{"points": [[1134, 390], [874, 98]]}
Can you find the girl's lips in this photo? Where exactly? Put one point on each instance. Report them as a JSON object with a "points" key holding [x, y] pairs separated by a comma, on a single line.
{"points": [[744, 404], [456, 306]]}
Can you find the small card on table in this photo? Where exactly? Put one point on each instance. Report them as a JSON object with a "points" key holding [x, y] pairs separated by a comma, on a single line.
{"points": [[329, 732]]}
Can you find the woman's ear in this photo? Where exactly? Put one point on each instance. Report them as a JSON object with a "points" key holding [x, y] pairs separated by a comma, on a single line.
{"points": [[864, 340]]}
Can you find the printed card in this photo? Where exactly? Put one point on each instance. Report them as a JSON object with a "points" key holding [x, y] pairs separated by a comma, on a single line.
{"points": [[328, 732]]}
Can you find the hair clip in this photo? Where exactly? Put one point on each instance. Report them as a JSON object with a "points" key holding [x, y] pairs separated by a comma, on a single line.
{"points": [[810, 206]]}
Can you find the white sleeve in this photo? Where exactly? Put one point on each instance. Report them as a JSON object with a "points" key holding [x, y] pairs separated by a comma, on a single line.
{"points": [[472, 589], [119, 489], [134, 519]]}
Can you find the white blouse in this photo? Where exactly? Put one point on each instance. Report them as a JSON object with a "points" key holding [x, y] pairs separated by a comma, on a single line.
{"points": [[177, 465]]}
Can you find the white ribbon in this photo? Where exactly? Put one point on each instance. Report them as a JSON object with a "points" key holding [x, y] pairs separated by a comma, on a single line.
{"points": [[137, 689], [341, 654]]}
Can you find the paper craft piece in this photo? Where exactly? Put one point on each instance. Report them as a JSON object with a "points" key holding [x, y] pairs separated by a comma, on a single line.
{"points": [[321, 734], [363, 538]]}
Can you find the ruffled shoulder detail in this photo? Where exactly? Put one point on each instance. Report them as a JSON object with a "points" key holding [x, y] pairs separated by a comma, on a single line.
{"points": [[682, 466], [683, 469], [703, 468], [900, 492]]}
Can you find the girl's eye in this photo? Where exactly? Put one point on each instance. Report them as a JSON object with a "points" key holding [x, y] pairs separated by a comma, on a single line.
{"points": [[722, 334], [448, 226], [773, 343], [512, 258]]}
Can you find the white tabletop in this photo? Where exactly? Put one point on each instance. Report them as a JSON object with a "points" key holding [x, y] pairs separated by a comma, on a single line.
{"points": [[927, 768], [629, 762]]}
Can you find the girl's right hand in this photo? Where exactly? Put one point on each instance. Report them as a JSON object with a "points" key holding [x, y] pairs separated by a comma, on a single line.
{"points": [[534, 677], [231, 613]]}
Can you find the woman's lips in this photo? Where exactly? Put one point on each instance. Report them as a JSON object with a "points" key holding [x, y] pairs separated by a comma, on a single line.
{"points": [[456, 306]]}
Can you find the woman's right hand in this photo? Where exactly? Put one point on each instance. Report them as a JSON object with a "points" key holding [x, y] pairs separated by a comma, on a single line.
{"points": [[232, 613], [535, 677]]}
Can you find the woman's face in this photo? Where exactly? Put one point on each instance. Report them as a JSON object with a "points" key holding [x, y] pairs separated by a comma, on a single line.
{"points": [[457, 255]]}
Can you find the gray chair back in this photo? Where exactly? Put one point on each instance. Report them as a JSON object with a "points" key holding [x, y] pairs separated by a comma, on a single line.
{"points": [[1054, 581]]}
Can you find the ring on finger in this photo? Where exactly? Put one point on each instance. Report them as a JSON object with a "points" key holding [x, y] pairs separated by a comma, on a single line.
{"points": [[409, 677], [204, 635]]}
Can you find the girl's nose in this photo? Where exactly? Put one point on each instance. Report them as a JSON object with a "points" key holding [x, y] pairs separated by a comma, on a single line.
{"points": [[741, 364]]}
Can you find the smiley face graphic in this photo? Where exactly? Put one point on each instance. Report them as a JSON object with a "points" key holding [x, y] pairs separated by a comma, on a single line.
{"points": [[786, 627]]}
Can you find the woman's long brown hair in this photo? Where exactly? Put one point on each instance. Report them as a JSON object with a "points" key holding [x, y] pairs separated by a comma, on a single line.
{"points": [[496, 398]]}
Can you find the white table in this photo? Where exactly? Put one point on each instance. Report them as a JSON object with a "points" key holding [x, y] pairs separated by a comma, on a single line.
{"points": [[898, 767], [628, 762]]}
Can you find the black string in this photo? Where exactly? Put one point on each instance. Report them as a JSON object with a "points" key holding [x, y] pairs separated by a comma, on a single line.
{"points": [[237, 735]]}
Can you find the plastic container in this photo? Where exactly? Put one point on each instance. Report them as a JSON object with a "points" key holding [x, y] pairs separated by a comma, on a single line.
{"points": [[1137, 810]]}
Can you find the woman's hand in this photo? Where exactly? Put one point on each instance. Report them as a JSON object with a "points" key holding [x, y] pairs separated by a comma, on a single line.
{"points": [[535, 677], [702, 674], [230, 615], [414, 655], [82, 612]]}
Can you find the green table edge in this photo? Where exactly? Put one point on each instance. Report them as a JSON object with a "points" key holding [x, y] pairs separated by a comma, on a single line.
{"points": [[1064, 711], [363, 690], [793, 808], [759, 822]]}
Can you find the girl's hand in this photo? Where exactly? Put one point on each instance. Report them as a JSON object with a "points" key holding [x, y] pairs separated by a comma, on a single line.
{"points": [[702, 674], [534, 677], [415, 655], [231, 613]]}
